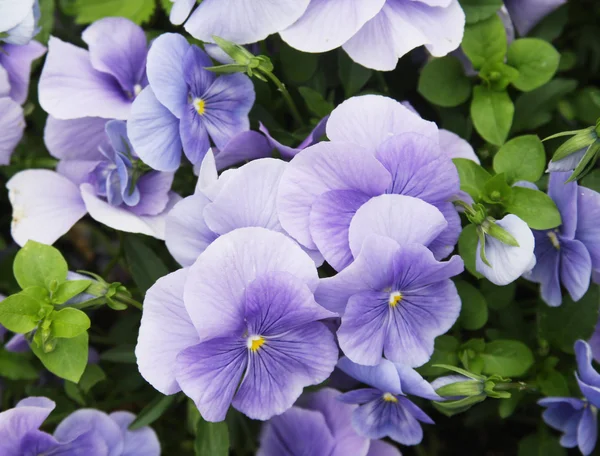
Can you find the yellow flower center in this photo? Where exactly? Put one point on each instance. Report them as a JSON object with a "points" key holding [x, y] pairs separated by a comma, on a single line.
{"points": [[200, 106], [554, 239], [255, 342], [389, 397], [395, 298]]}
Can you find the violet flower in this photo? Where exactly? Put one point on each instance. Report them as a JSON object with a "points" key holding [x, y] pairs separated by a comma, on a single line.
{"points": [[525, 14], [98, 173], [377, 146], [85, 431], [19, 21], [384, 409], [240, 327], [319, 424], [100, 82], [186, 106], [394, 300], [287, 152], [569, 253], [577, 418]]}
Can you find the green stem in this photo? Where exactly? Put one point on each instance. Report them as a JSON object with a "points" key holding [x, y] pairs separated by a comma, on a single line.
{"points": [[122, 297], [519, 386], [286, 96], [115, 259]]}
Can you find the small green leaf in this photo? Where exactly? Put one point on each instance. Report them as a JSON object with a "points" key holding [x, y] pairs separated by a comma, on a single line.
{"points": [[521, 158], [69, 322], [69, 289], [88, 11], [92, 375], [467, 248], [485, 41], [352, 75], [315, 102], [153, 411], [540, 445], [146, 267], [492, 113], [298, 67], [498, 297], [444, 353], [39, 265], [507, 406], [478, 10], [534, 207], [496, 190], [19, 313], [120, 354], [212, 439], [472, 177], [68, 359], [443, 82], [553, 383], [74, 393], [536, 60], [498, 75], [507, 358], [16, 366], [474, 311]]}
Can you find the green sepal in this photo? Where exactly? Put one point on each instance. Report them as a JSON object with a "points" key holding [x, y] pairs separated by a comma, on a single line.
{"points": [[496, 190], [450, 408], [493, 229], [69, 289], [460, 371], [587, 162], [580, 140], [465, 388]]}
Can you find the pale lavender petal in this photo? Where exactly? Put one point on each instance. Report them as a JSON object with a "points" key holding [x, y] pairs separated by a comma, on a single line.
{"points": [[186, 233], [547, 268], [13, 12], [444, 244], [25, 418], [194, 137], [77, 171], [590, 392], [569, 163], [45, 206], [456, 147], [154, 132], [17, 61], [25, 30], [527, 13], [587, 431], [415, 267], [565, 197], [210, 372], [118, 47], [588, 223], [412, 383], [328, 24], [17, 344], [575, 268], [383, 376], [381, 448], [213, 298], [76, 139], [287, 153], [165, 331], [196, 77], [4, 83], [369, 120], [99, 423], [246, 146], [12, 125], [181, 10], [70, 87], [587, 373], [141, 441], [359, 396], [243, 21], [154, 190]]}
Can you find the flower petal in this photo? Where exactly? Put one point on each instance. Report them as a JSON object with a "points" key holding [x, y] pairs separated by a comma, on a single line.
{"points": [[13, 12], [181, 10], [456, 147], [17, 61], [141, 441], [588, 222], [383, 376], [526, 15], [565, 197], [246, 146], [91, 421], [575, 268], [12, 125], [76, 139], [587, 431]]}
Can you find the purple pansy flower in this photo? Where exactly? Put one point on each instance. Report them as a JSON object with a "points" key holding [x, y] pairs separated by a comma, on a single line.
{"points": [[85, 431], [239, 198], [15, 69], [318, 424], [377, 146], [186, 106], [525, 14], [577, 418], [569, 253], [98, 173], [395, 299], [384, 409], [240, 327], [287, 152], [19, 21], [100, 82], [506, 262]]}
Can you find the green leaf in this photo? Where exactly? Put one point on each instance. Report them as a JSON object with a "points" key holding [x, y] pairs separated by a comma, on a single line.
{"points": [[39, 265], [69, 289], [153, 411], [534, 109], [443, 82], [474, 311], [19, 313], [88, 11], [92, 375], [587, 105], [496, 190], [492, 113], [46, 21], [444, 353], [68, 359], [467, 248], [562, 326], [540, 445], [146, 267], [69, 322], [521, 158], [507, 358], [592, 180], [120, 354], [472, 177], [498, 75], [507, 406], [536, 60], [478, 10], [315, 102], [298, 67], [212, 439], [497, 297], [534, 207], [553, 383], [352, 75], [74, 393], [16, 366], [485, 41]]}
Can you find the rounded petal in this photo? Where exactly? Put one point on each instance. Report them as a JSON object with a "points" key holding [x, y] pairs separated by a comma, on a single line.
{"points": [[165, 331], [588, 223], [444, 244], [248, 145], [328, 24], [587, 373], [70, 87], [402, 218], [507, 262], [526, 15], [76, 139], [141, 441], [91, 421], [17, 60], [575, 268], [186, 232], [369, 120], [12, 125], [194, 137], [565, 196], [381, 448], [456, 147], [24, 419], [213, 297], [587, 431], [180, 11], [45, 206], [318, 169], [154, 132], [383, 376], [547, 269], [12, 12], [243, 21]]}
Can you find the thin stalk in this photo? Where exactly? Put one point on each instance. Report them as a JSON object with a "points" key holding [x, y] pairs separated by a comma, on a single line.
{"points": [[122, 297], [286, 96]]}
